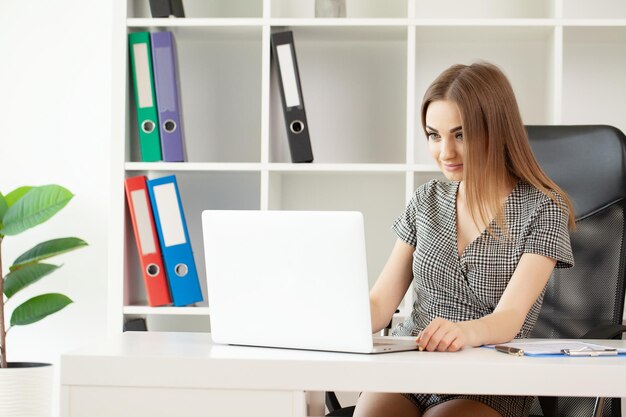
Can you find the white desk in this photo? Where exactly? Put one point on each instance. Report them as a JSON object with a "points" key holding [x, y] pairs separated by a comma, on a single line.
{"points": [[164, 374]]}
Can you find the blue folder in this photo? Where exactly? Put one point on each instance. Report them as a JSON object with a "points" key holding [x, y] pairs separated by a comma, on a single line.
{"points": [[180, 267]]}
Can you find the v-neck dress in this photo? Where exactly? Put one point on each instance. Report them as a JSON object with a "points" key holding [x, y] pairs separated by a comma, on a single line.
{"points": [[468, 286]]}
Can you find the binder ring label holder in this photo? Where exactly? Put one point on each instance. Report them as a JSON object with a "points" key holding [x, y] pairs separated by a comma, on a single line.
{"points": [[147, 126], [181, 270], [296, 126], [153, 270], [169, 126]]}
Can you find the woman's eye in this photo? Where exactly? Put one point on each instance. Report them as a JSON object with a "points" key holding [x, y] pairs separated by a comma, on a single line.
{"points": [[432, 136], [459, 136]]}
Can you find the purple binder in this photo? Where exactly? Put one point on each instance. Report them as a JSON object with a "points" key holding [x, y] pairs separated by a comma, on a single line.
{"points": [[167, 90]]}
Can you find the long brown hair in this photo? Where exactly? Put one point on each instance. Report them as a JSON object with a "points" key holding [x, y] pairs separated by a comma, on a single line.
{"points": [[495, 141]]}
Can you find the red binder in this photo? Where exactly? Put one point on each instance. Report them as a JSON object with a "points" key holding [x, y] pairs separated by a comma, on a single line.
{"points": [[147, 241]]}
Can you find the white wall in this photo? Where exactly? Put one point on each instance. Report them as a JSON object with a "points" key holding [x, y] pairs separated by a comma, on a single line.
{"points": [[55, 59]]}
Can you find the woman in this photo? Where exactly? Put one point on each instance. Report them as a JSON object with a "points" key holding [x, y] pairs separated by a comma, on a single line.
{"points": [[480, 248]]}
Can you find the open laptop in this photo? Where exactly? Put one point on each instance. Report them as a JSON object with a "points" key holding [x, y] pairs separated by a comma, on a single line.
{"points": [[290, 279]]}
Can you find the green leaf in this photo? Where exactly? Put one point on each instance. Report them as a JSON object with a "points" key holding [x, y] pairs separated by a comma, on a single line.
{"points": [[23, 277], [47, 250], [16, 194], [4, 206], [37, 308], [35, 207]]}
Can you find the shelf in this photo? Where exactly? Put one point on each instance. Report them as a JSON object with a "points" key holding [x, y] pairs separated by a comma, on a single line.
{"points": [[482, 22], [437, 48], [193, 22], [191, 166], [379, 196], [341, 22], [354, 9], [594, 10], [257, 22], [273, 167], [371, 24], [355, 92], [220, 90], [288, 167], [363, 78], [594, 22], [594, 80], [486, 9], [166, 311]]}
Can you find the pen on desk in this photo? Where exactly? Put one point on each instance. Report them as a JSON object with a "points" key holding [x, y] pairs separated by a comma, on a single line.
{"points": [[509, 350]]}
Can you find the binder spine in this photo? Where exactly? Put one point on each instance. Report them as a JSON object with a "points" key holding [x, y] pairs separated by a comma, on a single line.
{"points": [[167, 96], [182, 275], [147, 241], [145, 100], [296, 124], [167, 8]]}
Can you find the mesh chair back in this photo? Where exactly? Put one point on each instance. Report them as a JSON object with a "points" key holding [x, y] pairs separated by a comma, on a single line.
{"points": [[588, 162]]}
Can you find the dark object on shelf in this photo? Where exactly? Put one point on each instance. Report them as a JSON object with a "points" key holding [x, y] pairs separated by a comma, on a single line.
{"points": [[135, 325], [284, 54], [167, 8]]}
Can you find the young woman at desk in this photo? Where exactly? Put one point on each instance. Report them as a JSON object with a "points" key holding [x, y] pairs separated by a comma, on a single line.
{"points": [[479, 249]]}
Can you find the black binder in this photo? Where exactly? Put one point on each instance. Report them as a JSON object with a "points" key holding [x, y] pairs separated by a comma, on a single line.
{"points": [[167, 8], [296, 124]]}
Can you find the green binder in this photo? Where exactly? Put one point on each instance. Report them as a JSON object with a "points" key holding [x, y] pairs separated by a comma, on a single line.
{"points": [[145, 99]]}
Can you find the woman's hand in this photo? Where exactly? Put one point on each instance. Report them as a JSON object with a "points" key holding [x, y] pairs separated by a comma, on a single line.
{"points": [[443, 336]]}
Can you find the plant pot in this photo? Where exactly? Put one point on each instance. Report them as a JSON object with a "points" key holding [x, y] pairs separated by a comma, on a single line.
{"points": [[26, 389]]}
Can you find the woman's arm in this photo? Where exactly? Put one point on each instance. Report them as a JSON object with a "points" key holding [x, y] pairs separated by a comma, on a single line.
{"points": [[391, 285], [526, 284]]}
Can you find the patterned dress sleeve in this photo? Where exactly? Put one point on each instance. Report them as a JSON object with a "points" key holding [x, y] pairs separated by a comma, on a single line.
{"points": [[548, 234], [405, 226]]}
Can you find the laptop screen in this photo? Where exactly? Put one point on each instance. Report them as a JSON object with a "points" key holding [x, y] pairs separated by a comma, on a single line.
{"points": [[295, 279]]}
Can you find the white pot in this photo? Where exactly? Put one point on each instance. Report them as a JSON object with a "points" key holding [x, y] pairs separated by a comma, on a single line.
{"points": [[26, 390]]}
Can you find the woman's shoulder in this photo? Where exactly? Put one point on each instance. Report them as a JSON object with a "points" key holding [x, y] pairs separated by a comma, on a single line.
{"points": [[435, 190], [531, 192], [533, 199]]}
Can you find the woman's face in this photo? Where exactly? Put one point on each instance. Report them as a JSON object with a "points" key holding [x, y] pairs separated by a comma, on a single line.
{"points": [[445, 138]]}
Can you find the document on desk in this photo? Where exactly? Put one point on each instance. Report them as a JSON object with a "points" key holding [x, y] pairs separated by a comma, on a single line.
{"points": [[565, 348]]}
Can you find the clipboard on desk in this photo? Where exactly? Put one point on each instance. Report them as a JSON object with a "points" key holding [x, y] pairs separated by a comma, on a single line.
{"points": [[557, 348]]}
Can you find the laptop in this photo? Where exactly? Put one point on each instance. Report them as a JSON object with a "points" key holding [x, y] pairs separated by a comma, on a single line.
{"points": [[290, 279]]}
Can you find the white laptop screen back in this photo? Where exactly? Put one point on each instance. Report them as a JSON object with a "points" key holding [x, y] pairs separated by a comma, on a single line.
{"points": [[293, 279]]}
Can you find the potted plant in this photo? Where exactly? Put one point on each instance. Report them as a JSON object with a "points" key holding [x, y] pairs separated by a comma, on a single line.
{"points": [[25, 388]]}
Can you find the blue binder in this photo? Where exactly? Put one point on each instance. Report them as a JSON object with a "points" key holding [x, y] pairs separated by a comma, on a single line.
{"points": [[180, 267]]}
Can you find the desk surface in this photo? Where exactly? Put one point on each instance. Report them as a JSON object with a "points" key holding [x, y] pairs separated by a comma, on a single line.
{"points": [[191, 360]]}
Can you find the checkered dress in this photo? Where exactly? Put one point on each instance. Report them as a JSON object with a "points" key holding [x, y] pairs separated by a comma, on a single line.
{"points": [[469, 286]]}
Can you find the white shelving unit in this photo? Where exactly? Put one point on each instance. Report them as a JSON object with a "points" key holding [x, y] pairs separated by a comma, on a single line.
{"points": [[363, 77]]}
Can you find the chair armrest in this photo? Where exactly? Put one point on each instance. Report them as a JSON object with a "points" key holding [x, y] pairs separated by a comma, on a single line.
{"points": [[611, 331]]}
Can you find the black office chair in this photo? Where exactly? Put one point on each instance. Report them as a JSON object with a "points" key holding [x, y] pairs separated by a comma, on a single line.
{"points": [[587, 301]]}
